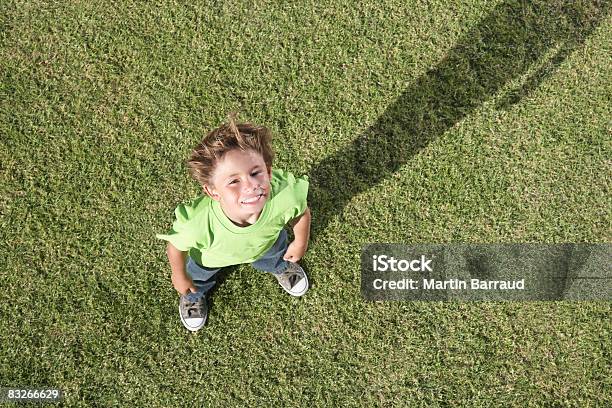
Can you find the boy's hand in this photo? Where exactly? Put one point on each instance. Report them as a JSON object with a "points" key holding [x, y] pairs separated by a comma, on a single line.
{"points": [[295, 251], [183, 284]]}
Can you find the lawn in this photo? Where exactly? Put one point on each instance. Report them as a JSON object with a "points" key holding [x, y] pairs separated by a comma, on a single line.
{"points": [[416, 122]]}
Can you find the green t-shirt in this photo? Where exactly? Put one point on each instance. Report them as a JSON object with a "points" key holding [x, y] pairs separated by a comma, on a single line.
{"points": [[213, 240]]}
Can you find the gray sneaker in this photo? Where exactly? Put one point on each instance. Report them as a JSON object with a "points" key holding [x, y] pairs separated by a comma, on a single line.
{"points": [[293, 279], [193, 314]]}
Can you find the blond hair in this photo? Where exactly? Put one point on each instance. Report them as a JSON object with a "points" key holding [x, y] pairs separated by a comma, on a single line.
{"points": [[228, 136]]}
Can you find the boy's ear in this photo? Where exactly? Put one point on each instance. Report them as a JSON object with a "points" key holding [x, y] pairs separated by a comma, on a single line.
{"points": [[269, 171], [212, 193]]}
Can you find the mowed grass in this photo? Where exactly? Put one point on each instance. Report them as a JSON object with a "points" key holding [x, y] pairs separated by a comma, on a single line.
{"points": [[503, 135]]}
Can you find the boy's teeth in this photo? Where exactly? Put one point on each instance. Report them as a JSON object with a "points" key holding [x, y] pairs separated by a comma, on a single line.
{"points": [[250, 200]]}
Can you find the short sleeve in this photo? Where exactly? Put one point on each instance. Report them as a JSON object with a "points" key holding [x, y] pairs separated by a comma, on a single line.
{"points": [[181, 235]]}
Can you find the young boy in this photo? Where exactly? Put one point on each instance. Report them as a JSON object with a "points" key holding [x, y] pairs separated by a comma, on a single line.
{"points": [[239, 218]]}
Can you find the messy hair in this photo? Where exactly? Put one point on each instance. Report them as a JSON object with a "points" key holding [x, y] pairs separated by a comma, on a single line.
{"points": [[228, 136]]}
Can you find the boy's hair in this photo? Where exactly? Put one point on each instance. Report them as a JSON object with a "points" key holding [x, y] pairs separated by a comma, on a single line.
{"points": [[228, 136]]}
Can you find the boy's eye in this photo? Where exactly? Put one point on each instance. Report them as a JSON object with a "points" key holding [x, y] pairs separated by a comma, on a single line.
{"points": [[255, 173], [233, 181]]}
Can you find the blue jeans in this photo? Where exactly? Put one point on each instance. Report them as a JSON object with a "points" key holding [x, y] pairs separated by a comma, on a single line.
{"points": [[204, 278]]}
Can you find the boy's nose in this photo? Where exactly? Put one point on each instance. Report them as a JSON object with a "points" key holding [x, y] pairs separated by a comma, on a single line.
{"points": [[251, 186]]}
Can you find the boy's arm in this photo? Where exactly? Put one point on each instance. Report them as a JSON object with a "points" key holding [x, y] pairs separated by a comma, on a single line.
{"points": [[301, 231], [180, 280], [301, 227]]}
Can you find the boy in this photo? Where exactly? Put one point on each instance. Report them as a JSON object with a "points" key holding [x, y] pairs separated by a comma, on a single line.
{"points": [[239, 218]]}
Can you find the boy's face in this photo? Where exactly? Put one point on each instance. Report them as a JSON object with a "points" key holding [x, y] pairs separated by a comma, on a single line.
{"points": [[241, 184]]}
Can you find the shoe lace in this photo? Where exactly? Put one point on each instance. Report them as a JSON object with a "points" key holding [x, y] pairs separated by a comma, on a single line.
{"points": [[194, 309], [291, 277]]}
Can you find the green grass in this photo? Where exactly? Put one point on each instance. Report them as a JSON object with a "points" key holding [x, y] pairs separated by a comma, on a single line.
{"points": [[496, 125]]}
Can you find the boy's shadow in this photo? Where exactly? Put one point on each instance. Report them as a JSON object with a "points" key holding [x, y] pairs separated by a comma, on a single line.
{"points": [[504, 46]]}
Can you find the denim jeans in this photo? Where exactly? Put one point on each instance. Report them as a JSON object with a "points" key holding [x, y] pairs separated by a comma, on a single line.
{"points": [[204, 278]]}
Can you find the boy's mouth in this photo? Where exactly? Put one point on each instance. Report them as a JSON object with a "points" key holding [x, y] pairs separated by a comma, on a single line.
{"points": [[252, 200]]}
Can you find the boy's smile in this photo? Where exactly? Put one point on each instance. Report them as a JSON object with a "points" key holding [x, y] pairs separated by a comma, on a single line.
{"points": [[241, 184]]}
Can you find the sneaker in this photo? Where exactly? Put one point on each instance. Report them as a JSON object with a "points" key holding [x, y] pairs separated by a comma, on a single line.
{"points": [[193, 314], [293, 280]]}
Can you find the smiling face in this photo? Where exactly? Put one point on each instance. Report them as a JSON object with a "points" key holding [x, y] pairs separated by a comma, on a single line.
{"points": [[241, 184]]}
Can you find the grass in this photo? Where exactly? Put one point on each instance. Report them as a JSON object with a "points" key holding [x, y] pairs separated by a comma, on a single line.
{"points": [[496, 125]]}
